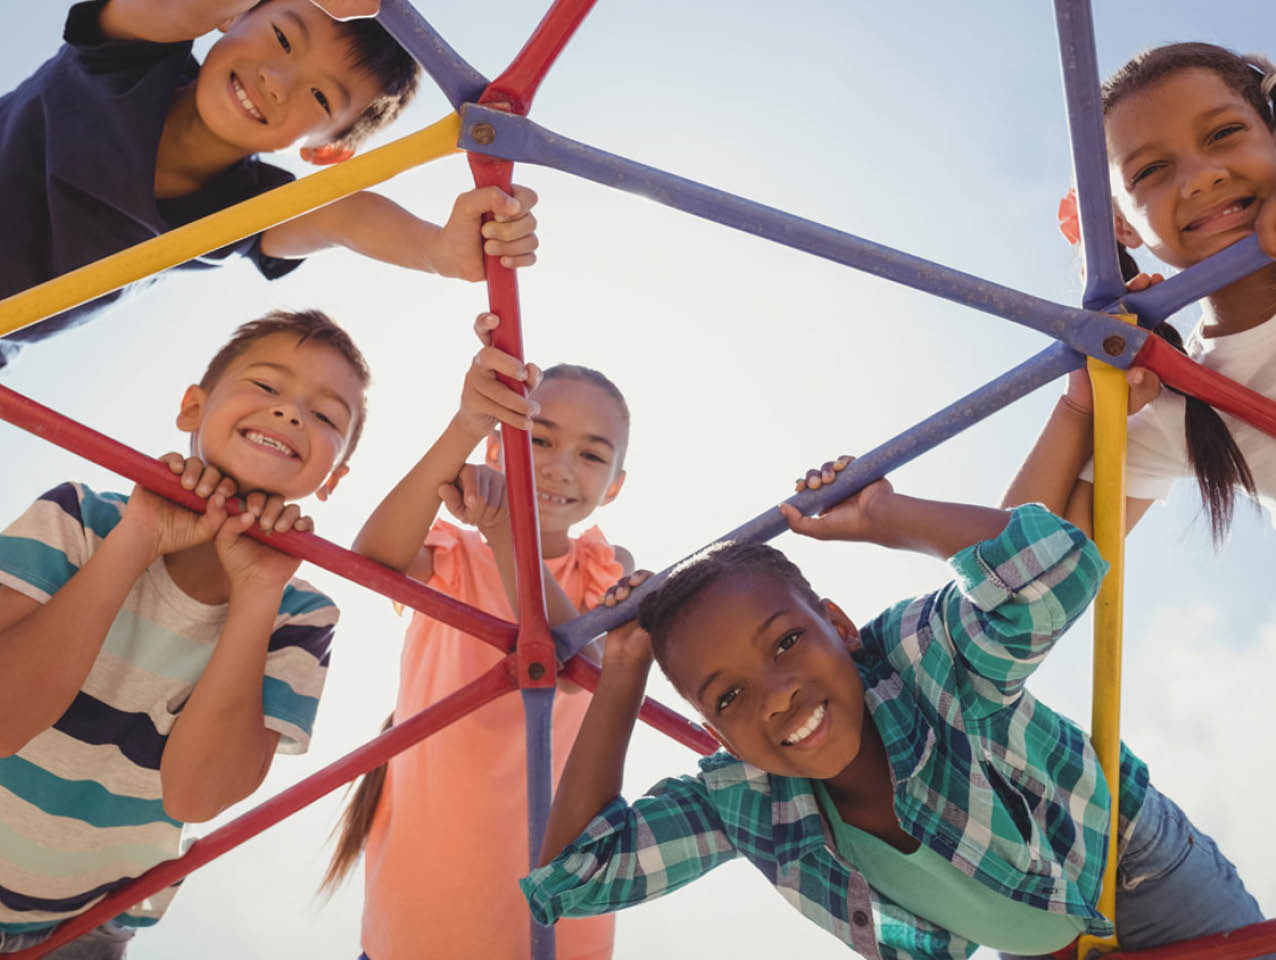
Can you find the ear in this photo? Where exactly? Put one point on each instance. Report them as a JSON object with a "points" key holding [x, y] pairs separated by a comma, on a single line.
{"points": [[326, 153], [1125, 234], [845, 628], [614, 489], [329, 485], [493, 452], [191, 412]]}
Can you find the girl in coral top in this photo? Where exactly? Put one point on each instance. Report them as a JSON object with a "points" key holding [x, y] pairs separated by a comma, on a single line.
{"points": [[443, 825]]}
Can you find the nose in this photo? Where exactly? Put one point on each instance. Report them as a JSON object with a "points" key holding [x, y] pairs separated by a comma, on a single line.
{"points": [[288, 413], [780, 695], [1201, 176], [274, 82], [550, 465]]}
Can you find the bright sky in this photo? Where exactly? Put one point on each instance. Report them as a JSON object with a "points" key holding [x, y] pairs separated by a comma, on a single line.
{"points": [[933, 127]]}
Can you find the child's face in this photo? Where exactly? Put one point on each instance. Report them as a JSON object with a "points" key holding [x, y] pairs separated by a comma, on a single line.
{"points": [[578, 440], [280, 75], [773, 678], [1191, 163], [279, 418]]}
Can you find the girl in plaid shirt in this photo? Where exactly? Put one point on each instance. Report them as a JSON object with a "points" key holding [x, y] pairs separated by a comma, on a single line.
{"points": [[896, 782]]}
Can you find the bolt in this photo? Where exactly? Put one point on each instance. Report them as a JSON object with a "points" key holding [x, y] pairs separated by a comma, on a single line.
{"points": [[536, 670], [1114, 346], [483, 133]]}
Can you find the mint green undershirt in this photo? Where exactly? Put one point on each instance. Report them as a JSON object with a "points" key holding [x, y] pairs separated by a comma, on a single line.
{"points": [[931, 887]]}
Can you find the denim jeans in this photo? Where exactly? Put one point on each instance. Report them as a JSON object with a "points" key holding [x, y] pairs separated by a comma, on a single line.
{"points": [[107, 942], [1173, 883]]}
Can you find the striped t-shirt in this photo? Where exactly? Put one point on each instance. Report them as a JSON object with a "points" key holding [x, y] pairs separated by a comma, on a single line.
{"points": [[80, 803]]}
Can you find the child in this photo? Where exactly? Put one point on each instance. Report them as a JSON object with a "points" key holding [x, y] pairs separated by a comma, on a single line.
{"points": [[123, 135], [446, 833], [1190, 131], [895, 782], [174, 655]]}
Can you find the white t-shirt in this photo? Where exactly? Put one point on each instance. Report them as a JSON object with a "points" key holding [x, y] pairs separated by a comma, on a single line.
{"points": [[1156, 452]]}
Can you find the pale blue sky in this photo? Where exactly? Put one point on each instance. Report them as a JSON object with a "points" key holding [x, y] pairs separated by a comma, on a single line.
{"points": [[937, 128]]}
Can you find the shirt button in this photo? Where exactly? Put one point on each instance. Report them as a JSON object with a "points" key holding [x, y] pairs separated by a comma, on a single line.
{"points": [[859, 918]]}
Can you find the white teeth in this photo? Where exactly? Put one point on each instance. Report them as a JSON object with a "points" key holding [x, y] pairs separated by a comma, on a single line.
{"points": [[252, 436], [242, 94], [808, 728], [551, 498]]}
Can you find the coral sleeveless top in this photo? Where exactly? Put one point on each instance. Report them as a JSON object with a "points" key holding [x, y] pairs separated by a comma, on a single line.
{"points": [[449, 839]]}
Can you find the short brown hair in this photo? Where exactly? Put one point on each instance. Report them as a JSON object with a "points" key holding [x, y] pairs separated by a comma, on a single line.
{"points": [[309, 326]]}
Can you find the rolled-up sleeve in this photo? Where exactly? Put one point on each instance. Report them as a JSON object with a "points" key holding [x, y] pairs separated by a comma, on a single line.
{"points": [[630, 853], [1015, 595]]}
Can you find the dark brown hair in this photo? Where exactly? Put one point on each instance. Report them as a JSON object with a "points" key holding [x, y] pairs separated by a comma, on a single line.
{"points": [[309, 326], [571, 371], [660, 610], [1216, 460]]}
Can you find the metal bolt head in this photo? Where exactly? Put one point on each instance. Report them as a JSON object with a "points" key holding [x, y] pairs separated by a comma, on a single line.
{"points": [[483, 133], [1114, 346], [536, 670]]}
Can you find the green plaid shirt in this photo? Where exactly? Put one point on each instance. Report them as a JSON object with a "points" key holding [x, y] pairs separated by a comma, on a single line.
{"points": [[1007, 790]]}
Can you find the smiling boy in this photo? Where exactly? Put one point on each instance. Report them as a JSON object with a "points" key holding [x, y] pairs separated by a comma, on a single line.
{"points": [[896, 783], [174, 655], [122, 135]]}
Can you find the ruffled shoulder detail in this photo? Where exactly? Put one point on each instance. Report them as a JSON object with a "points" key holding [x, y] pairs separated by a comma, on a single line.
{"points": [[598, 565], [447, 542]]}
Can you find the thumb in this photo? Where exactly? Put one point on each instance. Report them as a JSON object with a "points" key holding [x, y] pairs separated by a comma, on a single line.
{"points": [[806, 526], [232, 527], [451, 497], [212, 519], [474, 204]]}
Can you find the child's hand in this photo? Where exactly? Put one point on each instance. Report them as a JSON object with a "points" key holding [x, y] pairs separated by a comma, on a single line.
{"points": [[253, 565], [477, 498], [465, 238], [485, 401], [628, 647], [167, 528], [852, 519], [1144, 384], [349, 9]]}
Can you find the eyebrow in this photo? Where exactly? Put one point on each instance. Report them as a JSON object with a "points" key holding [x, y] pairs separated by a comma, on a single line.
{"points": [[1205, 117], [282, 368], [592, 437], [762, 628]]}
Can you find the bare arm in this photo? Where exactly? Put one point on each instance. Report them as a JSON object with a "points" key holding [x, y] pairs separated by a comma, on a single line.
{"points": [[167, 21], [1049, 474]]}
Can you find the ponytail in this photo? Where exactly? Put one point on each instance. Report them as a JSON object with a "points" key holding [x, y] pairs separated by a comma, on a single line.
{"points": [[356, 824], [1216, 460]]}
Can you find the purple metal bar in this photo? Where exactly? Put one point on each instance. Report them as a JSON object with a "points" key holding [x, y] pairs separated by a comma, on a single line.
{"points": [[538, 715], [459, 81], [517, 138], [1089, 151], [1163, 300], [1053, 362]]}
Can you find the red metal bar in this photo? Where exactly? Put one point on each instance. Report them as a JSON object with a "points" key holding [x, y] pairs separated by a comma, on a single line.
{"points": [[513, 90], [1215, 389], [155, 476], [495, 682], [667, 721], [1253, 941]]}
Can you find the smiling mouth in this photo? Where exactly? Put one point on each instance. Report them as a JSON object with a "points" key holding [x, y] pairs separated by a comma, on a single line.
{"points": [[1210, 217], [270, 443], [553, 499], [809, 727], [244, 101]]}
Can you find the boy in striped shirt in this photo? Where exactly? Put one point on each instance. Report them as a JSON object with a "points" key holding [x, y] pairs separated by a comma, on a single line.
{"points": [[153, 660]]}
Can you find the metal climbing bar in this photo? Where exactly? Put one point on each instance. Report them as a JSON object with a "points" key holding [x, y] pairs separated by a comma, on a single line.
{"points": [[516, 138], [1242, 944], [518, 83], [1111, 403], [1075, 25], [459, 81], [1214, 388], [227, 226], [498, 680], [156, 477], [652, 712], [1049, 364]]}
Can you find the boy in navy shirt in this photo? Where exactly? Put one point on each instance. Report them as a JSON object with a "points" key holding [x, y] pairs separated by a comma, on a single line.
{"points": [[122, 135]]}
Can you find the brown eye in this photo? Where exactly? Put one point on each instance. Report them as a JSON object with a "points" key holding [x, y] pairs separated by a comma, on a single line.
{"points": [[322, 101], [283, 41]]}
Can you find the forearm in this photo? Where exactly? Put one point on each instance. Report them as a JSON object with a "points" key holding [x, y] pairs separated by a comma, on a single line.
{"points": [[394, 533], [1049, 474], [167, 21], [366, 223], [59, 642], [935, 527], [594, 772], [220, 750]]}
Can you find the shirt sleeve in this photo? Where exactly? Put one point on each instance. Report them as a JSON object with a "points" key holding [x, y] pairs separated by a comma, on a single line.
{"points": [[1155, 449], [297, 664], [629, 854], [46, 546], [1014, 596], [120, 63]]}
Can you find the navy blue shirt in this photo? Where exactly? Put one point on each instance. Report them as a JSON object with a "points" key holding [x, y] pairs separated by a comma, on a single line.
{"points": [[78, 140]]}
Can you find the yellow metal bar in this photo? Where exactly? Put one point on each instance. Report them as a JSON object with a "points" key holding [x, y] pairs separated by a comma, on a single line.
{"points": [[1111, 403], [226, 226]]}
